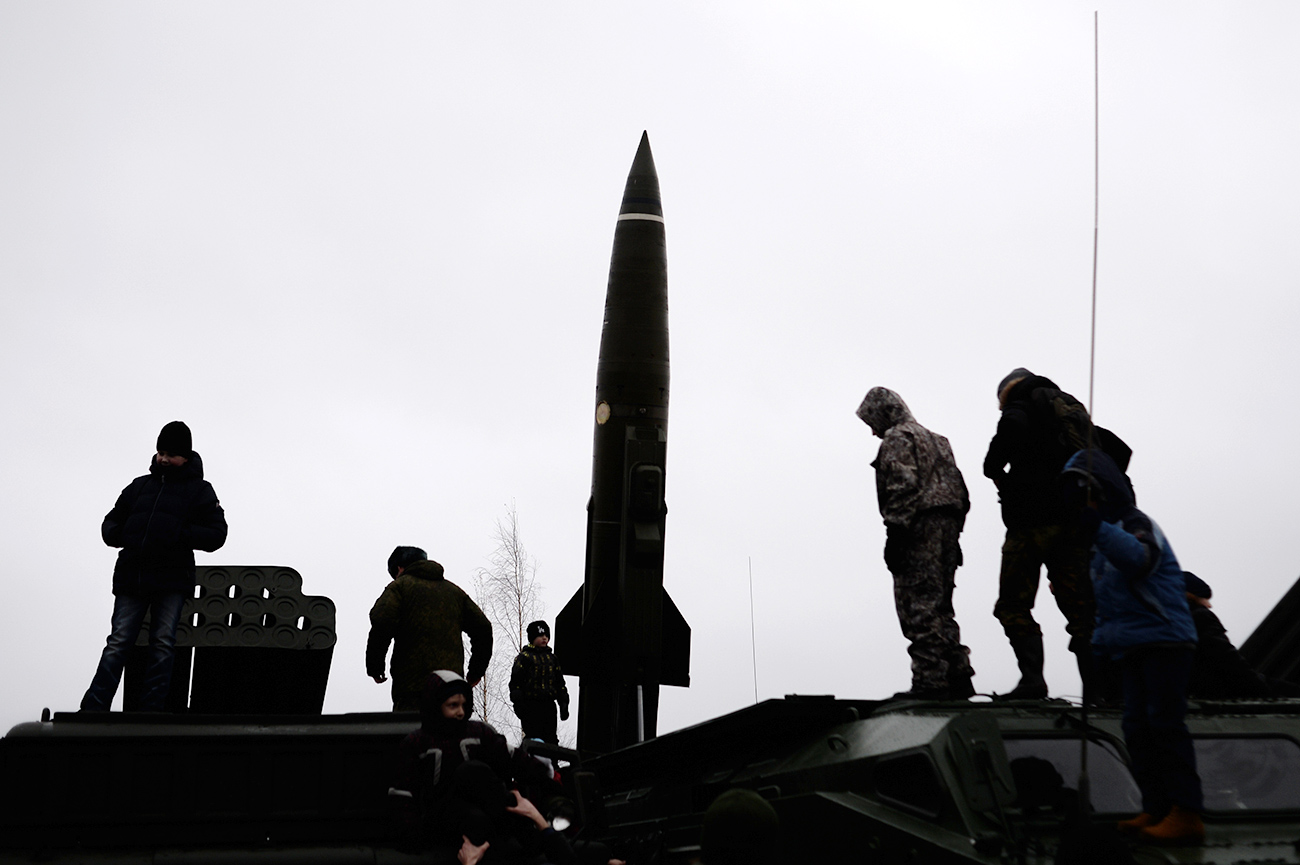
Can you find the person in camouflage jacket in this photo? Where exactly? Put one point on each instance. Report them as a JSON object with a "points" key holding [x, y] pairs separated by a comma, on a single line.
{"points": [[423, 615], [536, 685], [923, 501]]}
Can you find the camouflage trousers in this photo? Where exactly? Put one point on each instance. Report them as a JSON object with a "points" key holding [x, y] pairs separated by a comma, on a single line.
{"points": [[925, 569], [1065, 552]]}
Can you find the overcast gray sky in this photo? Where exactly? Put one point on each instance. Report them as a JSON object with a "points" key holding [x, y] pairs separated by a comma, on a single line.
{"points": [[362, 250]]}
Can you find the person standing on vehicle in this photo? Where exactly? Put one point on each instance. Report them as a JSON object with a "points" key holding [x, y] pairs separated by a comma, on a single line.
{"points": [[1040, 427], [923, 501], [423, 615], [1143, 623], [536, 686], [159, 520]]}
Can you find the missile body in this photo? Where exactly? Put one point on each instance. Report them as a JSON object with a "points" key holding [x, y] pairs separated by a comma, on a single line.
{"points": [[621, 633]]}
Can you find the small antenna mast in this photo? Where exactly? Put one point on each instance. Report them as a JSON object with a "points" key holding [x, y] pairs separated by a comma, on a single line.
{"points": [[753, 651]]}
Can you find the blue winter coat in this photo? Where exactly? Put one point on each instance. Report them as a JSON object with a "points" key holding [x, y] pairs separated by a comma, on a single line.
{"points": [[1137, 581]]}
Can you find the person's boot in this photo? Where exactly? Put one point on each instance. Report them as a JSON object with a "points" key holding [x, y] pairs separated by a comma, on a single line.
{"points": [[960, 674], [1134, 825], [1029, 655], [1180, 826], [961, 689]]}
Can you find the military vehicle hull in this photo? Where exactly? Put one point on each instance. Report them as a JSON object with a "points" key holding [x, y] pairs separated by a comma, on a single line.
{"points": [[891, 782]]}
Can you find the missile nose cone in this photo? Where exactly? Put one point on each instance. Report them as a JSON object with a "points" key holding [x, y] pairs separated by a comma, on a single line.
{"points": [[641, 195]]}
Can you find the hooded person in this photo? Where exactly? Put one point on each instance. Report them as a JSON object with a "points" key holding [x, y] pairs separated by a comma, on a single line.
{"points": [[423, 615], [158, 521], [1039, 428], [438, 795], [454, 780], [923, 501], [1143, 622]]}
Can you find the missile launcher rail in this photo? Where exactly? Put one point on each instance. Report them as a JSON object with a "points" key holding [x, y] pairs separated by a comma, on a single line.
{"points": [[253, 641]]}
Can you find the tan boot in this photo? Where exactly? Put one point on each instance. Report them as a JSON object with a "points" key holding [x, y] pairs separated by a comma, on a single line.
{"points": [[1131, 827], [1179, 827]]}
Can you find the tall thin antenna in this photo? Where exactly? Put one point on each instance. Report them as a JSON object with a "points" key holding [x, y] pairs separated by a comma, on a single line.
{"points": [[753, 650], [1084, 784], [1096, 203]]}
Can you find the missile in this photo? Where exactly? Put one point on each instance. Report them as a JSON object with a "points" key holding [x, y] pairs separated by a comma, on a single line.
{"points": [[621, 634]]}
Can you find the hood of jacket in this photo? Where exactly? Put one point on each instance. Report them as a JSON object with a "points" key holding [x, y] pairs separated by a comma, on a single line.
{"points": [[882, 410], [192, 469], [427, 569], [440, 686], [1096, 470]]}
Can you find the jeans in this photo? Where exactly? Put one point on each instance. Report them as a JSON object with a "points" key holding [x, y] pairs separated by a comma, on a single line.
{"points": [[128, 614], [1159, 747]]}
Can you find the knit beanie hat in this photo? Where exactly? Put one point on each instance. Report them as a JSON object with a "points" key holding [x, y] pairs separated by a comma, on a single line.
{"points": [[538, 629], [175, 439], [1018, 372], [1196, 586], [403, 557]]}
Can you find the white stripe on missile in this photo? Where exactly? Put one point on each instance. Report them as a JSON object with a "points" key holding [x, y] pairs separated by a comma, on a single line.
{"points": [[649, 216]]}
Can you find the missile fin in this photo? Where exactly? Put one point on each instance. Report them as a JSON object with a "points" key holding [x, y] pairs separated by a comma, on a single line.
{"points": [[676, 669]]}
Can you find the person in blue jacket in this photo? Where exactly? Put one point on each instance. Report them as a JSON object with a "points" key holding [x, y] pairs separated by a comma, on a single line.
{"points": [[1144, 624]]}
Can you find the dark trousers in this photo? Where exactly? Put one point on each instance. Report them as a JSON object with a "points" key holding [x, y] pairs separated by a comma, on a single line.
{"points": [[538, 718], [1159, 746], [128, 614], [924, 570], [1065, 553]]}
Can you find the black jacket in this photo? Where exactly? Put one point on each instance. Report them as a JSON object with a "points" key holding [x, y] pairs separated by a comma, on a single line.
{"points": [[1028, 438], [159, 520], [536, 676]]}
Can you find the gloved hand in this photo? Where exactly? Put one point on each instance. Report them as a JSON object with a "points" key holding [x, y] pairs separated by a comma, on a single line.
{"points": [[564, 711], [895, 548]]}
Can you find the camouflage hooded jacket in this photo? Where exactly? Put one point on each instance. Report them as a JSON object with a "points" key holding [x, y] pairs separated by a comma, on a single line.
{"points": [[424, 616], [915, 468]]}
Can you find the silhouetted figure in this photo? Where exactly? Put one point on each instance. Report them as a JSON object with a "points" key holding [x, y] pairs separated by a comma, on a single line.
{"points": [[1040, 427], [1144, 623], [923, 501], [424, 615], [1219, 672], [452, 791], [159, 520], [537, 686]]}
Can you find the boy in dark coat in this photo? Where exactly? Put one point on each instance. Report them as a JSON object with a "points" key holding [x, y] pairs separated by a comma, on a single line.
{"points": [[454, 780], [159, 520], [536, 685], [923, 501]]}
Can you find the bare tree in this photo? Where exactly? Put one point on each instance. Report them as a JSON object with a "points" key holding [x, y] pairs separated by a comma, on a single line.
{"points": [[507, 592]]}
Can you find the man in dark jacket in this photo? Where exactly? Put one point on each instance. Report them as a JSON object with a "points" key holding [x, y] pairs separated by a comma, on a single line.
{"points": [[1032, 439], [423, 615], [1219, 672], [923, 501], [536, 686], [159, 520]]}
